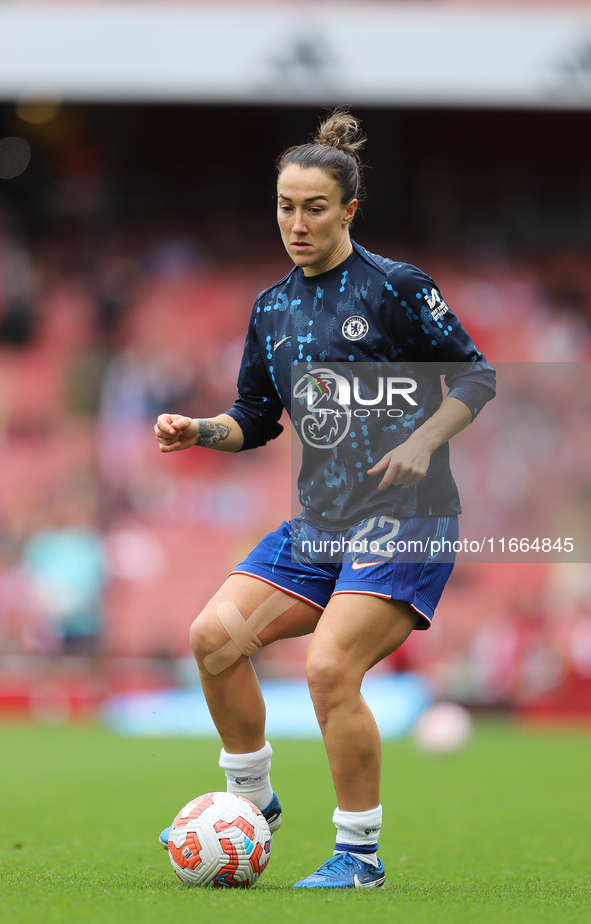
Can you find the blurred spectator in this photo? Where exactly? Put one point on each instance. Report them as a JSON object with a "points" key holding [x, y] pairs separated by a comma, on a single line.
{"points": [[174, 258], [514, 658], [135, 390], [579, 645], [17, 293], [115, 290], [66, 569]]}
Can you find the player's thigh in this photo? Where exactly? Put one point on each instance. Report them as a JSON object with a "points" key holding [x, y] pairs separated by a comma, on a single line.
{"points": [[247, 594], [355, 632]]}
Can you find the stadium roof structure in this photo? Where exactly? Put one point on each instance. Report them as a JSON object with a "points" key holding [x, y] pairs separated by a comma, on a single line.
{"points": [[376, 53]]}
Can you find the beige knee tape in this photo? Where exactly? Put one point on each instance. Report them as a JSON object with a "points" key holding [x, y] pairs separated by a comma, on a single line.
{"points": [[244, 632]]}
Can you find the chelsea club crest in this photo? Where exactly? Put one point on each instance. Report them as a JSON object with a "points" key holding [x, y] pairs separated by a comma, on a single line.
{"points": [[355, 328]]}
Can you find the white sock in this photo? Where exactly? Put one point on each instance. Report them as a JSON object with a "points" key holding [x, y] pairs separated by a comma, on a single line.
{"points": [[248, 775], [359, 830]]}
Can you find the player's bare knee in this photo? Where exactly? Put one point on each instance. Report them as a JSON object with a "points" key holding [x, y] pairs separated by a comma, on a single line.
{"points": [[325, 676]]}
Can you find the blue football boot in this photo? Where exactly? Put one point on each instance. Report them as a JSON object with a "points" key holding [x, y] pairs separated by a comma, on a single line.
{"points": [[164, 835], [344, 871], [272, 814]]}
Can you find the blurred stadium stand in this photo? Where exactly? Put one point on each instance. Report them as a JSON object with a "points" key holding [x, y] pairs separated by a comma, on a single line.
{"points": [[131, 249]]}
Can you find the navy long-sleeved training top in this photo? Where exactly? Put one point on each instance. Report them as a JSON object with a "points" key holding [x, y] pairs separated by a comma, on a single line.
{"points": [[369, 309]]}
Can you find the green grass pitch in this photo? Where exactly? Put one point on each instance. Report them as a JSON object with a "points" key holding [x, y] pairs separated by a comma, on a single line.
{"points": [[499, 832]]}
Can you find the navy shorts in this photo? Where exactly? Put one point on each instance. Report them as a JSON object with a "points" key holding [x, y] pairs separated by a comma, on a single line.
{"points": [[314, 564]]}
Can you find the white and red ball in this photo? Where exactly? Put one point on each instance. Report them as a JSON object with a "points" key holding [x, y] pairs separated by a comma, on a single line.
{"points": [[220, 840], [442, 728]]}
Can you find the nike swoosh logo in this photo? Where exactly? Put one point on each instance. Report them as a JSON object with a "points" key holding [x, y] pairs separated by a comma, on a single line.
{"points": [[372, 884], [281, 341], [368, 564]]}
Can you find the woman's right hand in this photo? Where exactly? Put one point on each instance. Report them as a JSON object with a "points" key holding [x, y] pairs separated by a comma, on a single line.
{"points": [[174, 432]]}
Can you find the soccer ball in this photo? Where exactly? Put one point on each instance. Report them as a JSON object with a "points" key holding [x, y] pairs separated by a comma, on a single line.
{"points": [[442, 728], [220, 840]]}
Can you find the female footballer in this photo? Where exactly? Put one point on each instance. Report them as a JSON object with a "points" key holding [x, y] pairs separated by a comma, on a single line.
{"points": [[339, 304]]}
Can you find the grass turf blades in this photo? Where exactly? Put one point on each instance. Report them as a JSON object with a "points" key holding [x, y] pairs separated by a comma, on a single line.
{"points": [[499, 832]]}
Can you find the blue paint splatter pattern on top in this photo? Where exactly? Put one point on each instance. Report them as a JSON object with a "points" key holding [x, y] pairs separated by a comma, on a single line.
{"points": [[302, 321]]}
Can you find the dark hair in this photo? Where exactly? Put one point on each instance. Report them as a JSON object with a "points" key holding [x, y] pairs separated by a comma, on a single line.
{"points": [[334, 149]]}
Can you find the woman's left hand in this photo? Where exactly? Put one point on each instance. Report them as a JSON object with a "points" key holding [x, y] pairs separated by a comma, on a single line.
{"points": [[407, 465]]}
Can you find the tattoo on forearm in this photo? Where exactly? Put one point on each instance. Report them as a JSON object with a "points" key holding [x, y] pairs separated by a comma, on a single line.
{"points": [[211, 433]]}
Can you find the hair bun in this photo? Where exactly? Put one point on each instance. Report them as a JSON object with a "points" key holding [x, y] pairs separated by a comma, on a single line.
{"points": [[333, 149], [342, 131]]}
